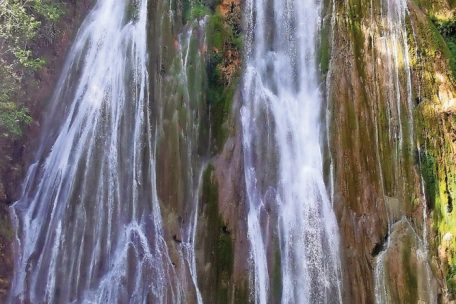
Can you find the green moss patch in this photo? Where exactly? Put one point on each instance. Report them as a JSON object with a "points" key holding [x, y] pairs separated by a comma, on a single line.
{"points": [[219, 244], [224, 48]]}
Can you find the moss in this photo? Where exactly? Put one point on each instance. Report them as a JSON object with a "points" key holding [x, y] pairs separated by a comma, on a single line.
{"points": [[447, 30], [215, 31], [358, 45], [411, 281], [428, 172], [220, 107], [241, 294], [324, 48], [219, 242], [277, 276], [132, 10], [224, 262], [195, 11], [6, 229], [356, 11], [451, 279], [224, 40], [435, 47], [430, 43]]}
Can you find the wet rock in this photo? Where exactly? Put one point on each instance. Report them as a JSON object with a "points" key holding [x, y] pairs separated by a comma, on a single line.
{"points": [[229, 172], [394, 208], [374, 183], [403, 272]]}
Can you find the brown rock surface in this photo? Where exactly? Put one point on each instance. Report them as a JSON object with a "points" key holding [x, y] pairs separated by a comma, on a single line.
{"points": [[407, 274], [374, 183]]}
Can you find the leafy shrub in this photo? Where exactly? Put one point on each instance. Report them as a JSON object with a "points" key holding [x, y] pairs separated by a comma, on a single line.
{"points": [[447, 28], [20, 22], [198, 11], [13, 118]]}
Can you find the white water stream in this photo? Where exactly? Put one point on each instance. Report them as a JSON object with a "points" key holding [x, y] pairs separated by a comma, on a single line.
{"points": [[289, 208], [399, 98]]}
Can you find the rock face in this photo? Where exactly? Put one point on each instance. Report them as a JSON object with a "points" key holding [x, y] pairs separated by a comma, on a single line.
{"points": [[6, 258], [374, 81], [226, 261], [199, 158], [434, 74], [364, 143], [406, 260]]}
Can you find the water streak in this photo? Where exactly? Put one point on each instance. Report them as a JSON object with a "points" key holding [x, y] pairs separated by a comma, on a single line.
{"points": [[399, 88], [289, 208]]}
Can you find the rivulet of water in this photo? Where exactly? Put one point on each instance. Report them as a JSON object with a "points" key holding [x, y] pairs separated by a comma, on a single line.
{"points": [[395, 49], [399, 93], [401, 130], [293, 232]]}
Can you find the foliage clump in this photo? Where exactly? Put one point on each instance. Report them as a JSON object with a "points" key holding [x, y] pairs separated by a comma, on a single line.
{"points": [[222, 53], [223, 65], [21, 22], [428, 171], [198, 11], [447, 28]]}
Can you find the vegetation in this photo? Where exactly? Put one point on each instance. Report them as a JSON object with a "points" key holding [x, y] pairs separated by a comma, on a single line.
{"points": [[222, 58], [324, 48], [428, 171], [21, 22], [434, 62], [219, 240], [224, 46], [450, 279], [447, 29], [197, 11], [225, 43]]}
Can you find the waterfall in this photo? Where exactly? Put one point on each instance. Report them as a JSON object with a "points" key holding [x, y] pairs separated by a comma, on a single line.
{"points": [[400, 123], [188, 59], [290, 214], [112, 209], [89, 223], [395, 47]]}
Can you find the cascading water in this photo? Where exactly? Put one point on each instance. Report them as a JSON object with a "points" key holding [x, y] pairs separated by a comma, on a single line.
{"points": [[395, 50], [400, 126], [423, 249], [89, 224], [190, 62], [290, 220]]}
